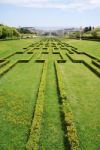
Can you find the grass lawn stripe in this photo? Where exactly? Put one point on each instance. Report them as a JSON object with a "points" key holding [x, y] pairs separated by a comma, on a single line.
{"points": [[18, 95]]}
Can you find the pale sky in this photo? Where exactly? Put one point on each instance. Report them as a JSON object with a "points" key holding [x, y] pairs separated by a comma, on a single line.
{"points": [[50, 13]]}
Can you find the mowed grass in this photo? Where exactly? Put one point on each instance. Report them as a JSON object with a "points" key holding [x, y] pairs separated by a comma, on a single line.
{"points": [[18, 94], [19, 90], [91, 47], [83, 92], [10, 46], [52, 134]]}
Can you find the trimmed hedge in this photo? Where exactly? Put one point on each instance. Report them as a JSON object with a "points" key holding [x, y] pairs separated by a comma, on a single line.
{"points": [[45, 52], [92, 69], [69, 51], [55, 52], [61, 61], [21, 52], [23, 61], [71, 134], [90, 56], [62, 56], [2, 60], [33, 141], [4, 63], [38, 56], [12, 54], [73, 60], [26, 60], [5, 70], [30, 52], [44, 48], [84, 53], [96, 63], [40, 61], [77, 52]]}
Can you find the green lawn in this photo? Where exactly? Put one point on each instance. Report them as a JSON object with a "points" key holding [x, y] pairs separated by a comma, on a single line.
{"points": [[10, 46], [90, 47], [83, 92], [18, 94], [51, 124], [19, 89]]}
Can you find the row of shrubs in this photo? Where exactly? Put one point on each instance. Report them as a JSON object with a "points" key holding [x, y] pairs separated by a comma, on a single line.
{"points": [[96, 63], [62, 56], [94, 70], [84, 53], [71, 134], [74, 60], [5, 62], [6, 69], [33, 141], [12, 54]]}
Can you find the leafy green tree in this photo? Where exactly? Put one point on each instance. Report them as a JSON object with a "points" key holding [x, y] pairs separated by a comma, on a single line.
{"points": [[4, 32], [94, 34], [16, 33], [86, 29], [8, 32], [0, 31]]}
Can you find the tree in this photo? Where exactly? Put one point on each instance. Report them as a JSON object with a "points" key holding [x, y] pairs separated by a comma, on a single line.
{"points": [[4, 32], [86, 29], [8, 32], [16, 33], [90, 28], [94, 34], [0, 31]]}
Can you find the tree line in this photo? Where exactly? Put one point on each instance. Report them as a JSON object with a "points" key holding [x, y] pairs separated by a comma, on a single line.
{"points": [[8, 32], [86, 33]]}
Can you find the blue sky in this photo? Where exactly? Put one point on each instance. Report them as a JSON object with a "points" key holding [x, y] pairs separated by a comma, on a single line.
{"points": [[50, 13]]}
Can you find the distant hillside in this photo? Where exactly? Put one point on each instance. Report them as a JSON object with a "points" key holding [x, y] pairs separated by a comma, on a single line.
{"points": [[27, 30]]}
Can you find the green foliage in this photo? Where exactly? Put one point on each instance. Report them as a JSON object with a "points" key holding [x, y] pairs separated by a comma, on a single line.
{"points": [[86, 29], [16, 33], [24, 30], [86, 33], [75, 34], [94, 34], [0, 32], [8, 32]]}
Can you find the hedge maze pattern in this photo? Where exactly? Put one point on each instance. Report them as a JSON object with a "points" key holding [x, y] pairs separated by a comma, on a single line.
{"points": [[47, 47], [40, 52]]}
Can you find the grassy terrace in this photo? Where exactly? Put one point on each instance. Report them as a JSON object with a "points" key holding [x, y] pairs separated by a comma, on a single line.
{"points": [[10, 46], [18, 95], [90, 47], [82, 88], [35, 100], [51, 124]]}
